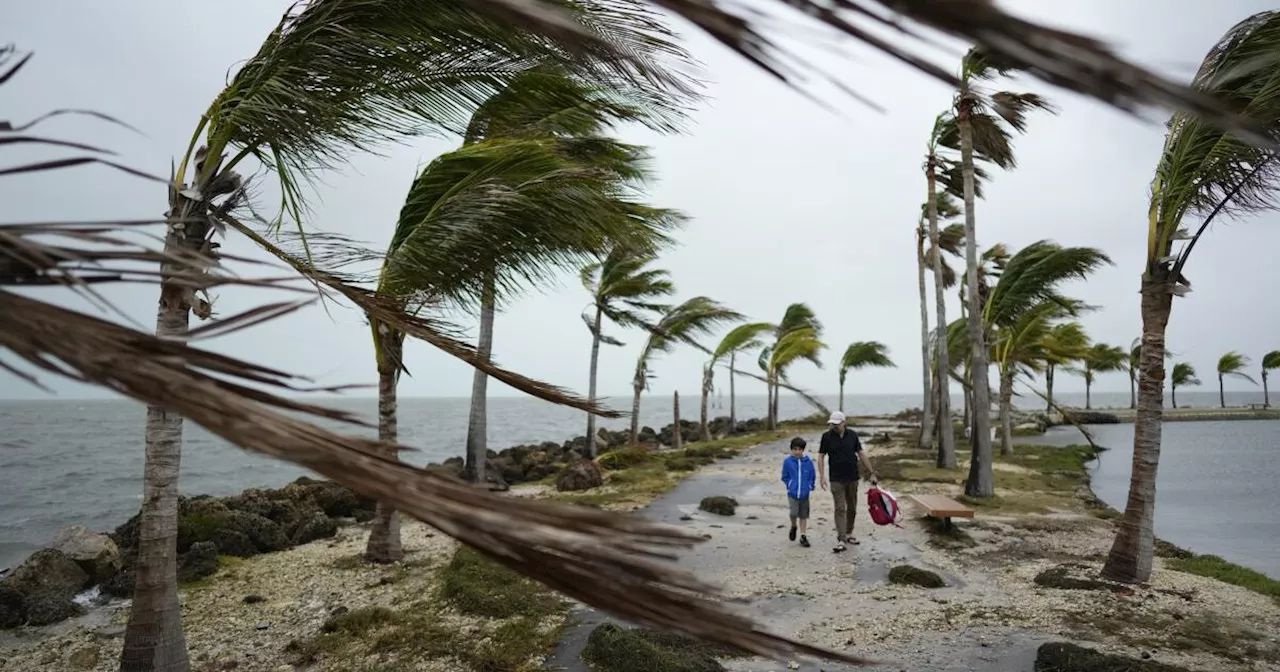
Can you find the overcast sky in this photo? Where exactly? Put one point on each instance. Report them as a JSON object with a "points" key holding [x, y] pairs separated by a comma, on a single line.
{"points": [[788, 202]]}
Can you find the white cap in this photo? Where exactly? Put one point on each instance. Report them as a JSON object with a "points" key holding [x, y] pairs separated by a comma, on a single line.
{"points": [[836, 418]]}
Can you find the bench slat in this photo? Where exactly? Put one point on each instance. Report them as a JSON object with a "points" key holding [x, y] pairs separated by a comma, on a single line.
{"points": [[939, 506]]}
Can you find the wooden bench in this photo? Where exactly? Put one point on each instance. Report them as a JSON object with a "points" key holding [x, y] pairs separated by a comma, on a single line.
{"points": [[942, 508]]}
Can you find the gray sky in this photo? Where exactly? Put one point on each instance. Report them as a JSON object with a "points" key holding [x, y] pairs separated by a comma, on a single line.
{"points": [[788, 202]]}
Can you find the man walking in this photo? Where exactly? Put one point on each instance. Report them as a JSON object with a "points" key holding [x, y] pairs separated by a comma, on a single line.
{"points": [[841, 449]]}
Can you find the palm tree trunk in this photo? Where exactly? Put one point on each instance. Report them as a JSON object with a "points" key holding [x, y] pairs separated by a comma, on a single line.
{"points": [[1133, 390], [926, 360], [637, 386], [1173, 391], [1006, 412], [1048, 388], [981, 481], [1266, 396], [733, 408], [1088, 400], [1222, 393], [704, 428], [676, 441], [153, 637], [384, 535], [591, 384], [1131, 554], [946, 434], [478, 421], [842, 396], [772, 390]]}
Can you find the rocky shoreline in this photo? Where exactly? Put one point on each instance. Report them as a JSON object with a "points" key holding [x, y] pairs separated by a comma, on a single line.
{"points": [[82, 568]]}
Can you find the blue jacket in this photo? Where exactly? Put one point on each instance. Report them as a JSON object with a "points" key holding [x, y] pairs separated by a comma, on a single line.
{"points": [[800, 476]]}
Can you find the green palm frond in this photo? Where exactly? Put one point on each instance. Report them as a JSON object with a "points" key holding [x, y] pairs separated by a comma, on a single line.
{"points": [[1271, 360], [625, 289], [1232, 364], [1102, 358], [1032, 277], [1066, 342], [513, 212], [742, 338], [1204, 171], [802, 343], [799, 316], [863, 354], [684, 324], [1183, 375]]}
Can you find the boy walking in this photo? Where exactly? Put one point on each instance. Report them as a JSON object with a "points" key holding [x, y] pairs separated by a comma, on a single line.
{"points": [[800, 477]]}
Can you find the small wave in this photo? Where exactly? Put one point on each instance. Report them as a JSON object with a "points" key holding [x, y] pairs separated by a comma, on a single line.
{"points": [[89, 597]]}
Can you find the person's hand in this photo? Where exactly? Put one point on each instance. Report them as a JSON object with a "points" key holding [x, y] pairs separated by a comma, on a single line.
{"points": [[823, 482]]}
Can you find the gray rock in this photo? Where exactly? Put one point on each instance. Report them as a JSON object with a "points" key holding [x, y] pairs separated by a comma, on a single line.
{"points": [[40, 590], [318, 526], [579, 475], [96, 553], [84, 658]]}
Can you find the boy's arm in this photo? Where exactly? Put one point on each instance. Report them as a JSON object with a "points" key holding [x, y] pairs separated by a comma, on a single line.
{"points": [[784, 473]]}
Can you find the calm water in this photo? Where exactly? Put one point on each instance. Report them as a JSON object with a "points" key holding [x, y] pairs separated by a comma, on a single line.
{"points": [[1217, 490], [64, 462]]}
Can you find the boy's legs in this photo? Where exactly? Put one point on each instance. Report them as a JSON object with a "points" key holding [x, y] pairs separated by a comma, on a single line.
{"points": [[804, 521], [794, 505]]}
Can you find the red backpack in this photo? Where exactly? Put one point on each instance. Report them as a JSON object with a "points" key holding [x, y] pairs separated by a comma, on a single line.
{"points": [[883, 507]]}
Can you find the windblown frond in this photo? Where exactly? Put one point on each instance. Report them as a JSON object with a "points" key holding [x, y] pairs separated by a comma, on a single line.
{"points": [[741, 338], [862, 354], [1102, 358], [1032, 276], [1184, 375], [625, 289], [1271, 360], [684, 323], [1232, 364]]}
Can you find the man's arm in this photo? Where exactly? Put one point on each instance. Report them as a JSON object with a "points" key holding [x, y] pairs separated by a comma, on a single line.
{"points": [[862, 457], [822, 470]]}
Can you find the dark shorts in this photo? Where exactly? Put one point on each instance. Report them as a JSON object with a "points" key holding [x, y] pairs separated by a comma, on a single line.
{"points": [[799, 507]]}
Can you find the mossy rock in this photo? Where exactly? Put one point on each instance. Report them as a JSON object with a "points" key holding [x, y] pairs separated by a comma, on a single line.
{"points": [[681, 464], [1070, 577], [611, 648], [719, 505], [906, 575], [1066, 657], [473, 584]]}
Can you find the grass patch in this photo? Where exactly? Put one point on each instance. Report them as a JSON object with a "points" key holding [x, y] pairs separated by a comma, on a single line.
{"points": [[1027, 431], [907, 575], [1066, 657], [1213, 634], [1071, 577], [625, 458], [611, 648], [476, 585], [1215, 567]]}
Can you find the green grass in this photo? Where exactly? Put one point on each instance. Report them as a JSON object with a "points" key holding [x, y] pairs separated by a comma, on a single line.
{"points": [[1215, 567], [478, 586], [611, 648]]}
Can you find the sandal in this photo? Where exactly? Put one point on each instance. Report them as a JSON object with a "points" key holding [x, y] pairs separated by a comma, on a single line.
{"points": [[839, 548]]}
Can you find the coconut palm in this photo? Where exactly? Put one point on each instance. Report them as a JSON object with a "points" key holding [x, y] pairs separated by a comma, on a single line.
{"points": [[1101, 358], [985, 123], [1064, 346], [484, 220], [1231, 364], [627, 291], [797, 337], [1202, 172], [547, 105], [682, 324], [333, 78], [1183, 375], [861, 355], [741, 339], [1269, 361]]}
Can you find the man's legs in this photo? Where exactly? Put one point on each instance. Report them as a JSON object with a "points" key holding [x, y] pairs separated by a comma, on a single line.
{"points": [[851, 504], [841, 509]]}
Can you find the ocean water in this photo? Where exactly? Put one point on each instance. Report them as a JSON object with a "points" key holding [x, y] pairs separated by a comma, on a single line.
{"points": [[65, 462], [1215, 488]]}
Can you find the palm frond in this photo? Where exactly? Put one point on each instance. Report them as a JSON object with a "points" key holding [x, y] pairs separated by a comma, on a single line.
{"points": [[1032, 276], [799, 316], [1102, 358], [1232, 363], [1184, 375], [685, 324], [1271, 360], [741, 338], [799, 344], [863, 354]]}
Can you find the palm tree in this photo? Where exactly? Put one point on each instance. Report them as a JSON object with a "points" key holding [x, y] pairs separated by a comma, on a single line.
{"points": [[333, 78], [1183, 375], [1206, 172], [741, 339], [797, 337], [1231, 364], [1018, 314], [1269, 361], [626, 291], [937, 205], [985, 123], [480, 221], [1101, 358], [860, 355], [683, 323], [545, 104], [1064, 346]]}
